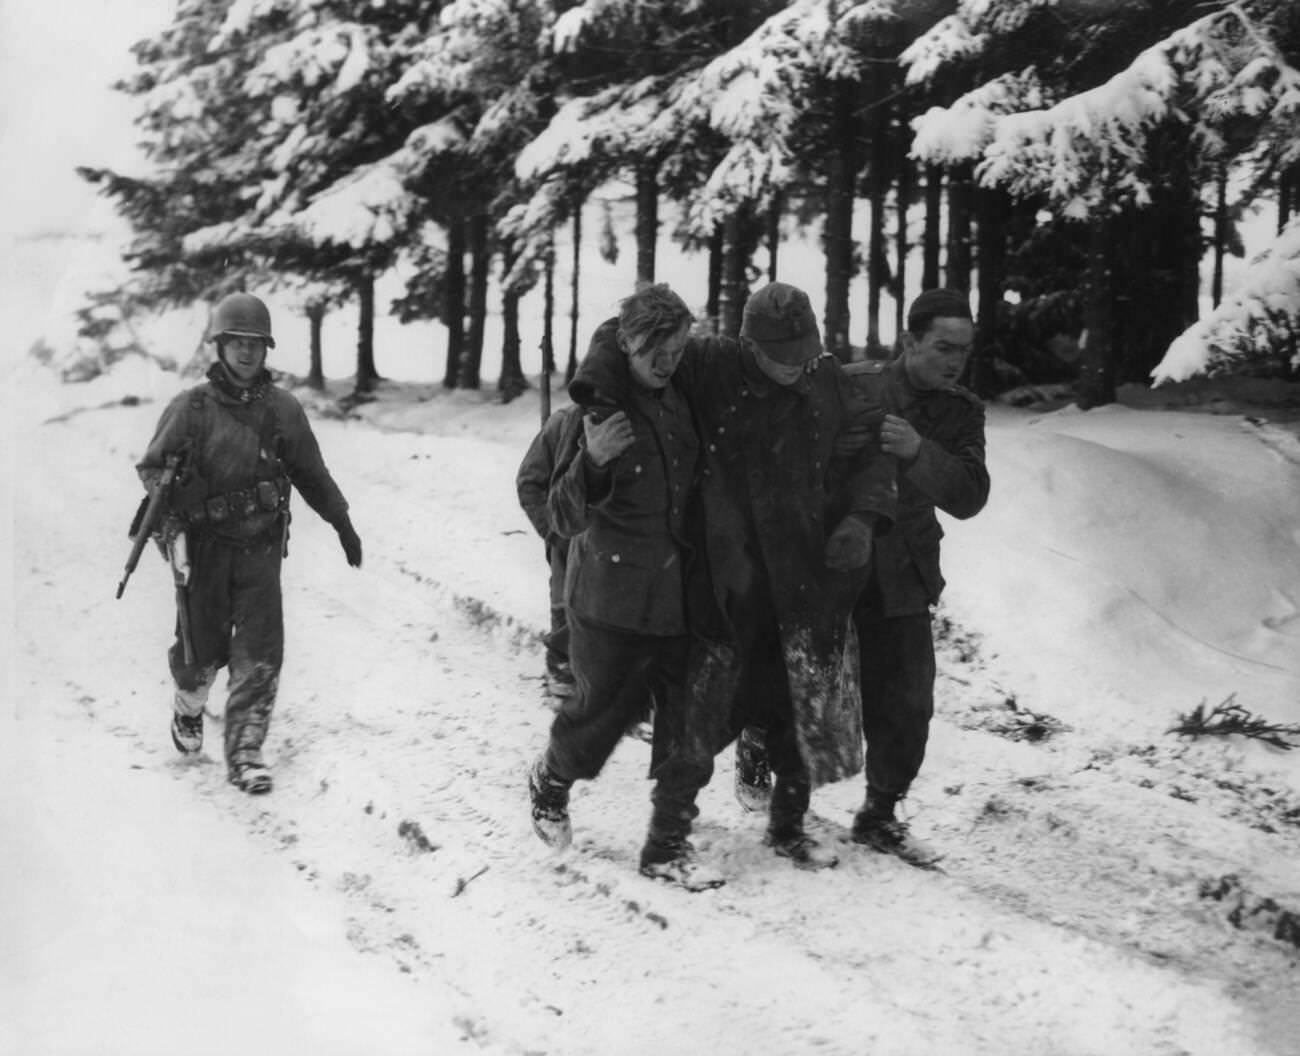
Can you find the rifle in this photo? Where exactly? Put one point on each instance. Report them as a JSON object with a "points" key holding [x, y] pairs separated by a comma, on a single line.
{"points": [[146, 518]]}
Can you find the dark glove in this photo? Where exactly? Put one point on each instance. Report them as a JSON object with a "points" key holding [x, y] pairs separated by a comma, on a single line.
{"points": [[849, 546], [351, 542]]}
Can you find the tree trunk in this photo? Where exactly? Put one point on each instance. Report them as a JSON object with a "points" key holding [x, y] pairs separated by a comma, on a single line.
{"points": [[1156, 275], [959, 228], [740, 239], [647, 221], [774, 213], [714, 304], [367, 375], [454, 305], [902, 247], [480, 261], [841, 172], [931, 239], [1097, 367], [548, 332], [316, 373], [992, 249], [511, 383], [879, 177], [1287, 186], [572, 367], [1220, 237]]}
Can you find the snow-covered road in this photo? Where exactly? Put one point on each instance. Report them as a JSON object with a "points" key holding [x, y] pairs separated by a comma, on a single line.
{"points": [[1073, 917]]}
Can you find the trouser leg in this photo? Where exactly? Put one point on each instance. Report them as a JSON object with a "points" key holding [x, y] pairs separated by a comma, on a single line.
{"points": [[256, 651], [683, 754], [767, 703], [557, 643], [898, 670], [557, 640], [208, 603], [612, 671]]}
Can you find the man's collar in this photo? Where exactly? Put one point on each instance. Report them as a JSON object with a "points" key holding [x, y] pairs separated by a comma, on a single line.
{"points": [[220, 377]]}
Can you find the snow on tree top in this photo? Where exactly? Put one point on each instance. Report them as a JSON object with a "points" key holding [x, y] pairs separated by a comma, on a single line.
{"points": [[338, 51], [950, 40], [1088, 150], [582, 126], [568, 29]]}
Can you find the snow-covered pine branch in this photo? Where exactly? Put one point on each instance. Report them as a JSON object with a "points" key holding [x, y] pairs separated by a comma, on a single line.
{"points": [[333, 57], [948, 42], [755, 95], [474, 51], [962, 132], [1088, 150], [614, 121], [1259, 317]]}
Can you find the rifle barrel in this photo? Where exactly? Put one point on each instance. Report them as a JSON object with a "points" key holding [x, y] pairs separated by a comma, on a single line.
{"points": [[148, 520]]}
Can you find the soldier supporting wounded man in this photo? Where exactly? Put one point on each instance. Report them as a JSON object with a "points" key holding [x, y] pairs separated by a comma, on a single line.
{"points": [[619, 492], [934, 428], [241, 443]]}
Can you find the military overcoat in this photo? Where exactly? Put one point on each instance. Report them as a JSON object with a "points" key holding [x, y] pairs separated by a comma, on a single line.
{"points": [[766, 516]]}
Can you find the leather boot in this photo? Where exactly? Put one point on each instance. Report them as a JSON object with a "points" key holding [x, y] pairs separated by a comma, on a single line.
{"points": [[785, 831]]}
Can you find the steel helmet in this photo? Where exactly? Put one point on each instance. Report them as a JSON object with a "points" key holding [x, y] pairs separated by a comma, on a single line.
{"points": [[242, 315]]}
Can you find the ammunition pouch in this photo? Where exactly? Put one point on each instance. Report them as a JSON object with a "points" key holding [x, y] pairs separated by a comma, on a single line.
{"points": [[266, 496]]}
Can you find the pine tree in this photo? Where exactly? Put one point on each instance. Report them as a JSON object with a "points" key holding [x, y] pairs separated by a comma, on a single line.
{"points": [[1120, 134], [480, 66], [622, 66], [192, 124]]}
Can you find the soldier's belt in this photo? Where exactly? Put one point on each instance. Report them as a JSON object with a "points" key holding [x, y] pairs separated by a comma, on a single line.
{"points": [[266, 496]]}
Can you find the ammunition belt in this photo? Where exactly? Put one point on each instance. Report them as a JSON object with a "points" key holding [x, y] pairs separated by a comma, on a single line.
{"points": [[266, 496]]}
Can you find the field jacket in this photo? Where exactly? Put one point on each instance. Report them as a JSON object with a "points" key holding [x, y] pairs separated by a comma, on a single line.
{"points": [[537, 469], [627, 559], [240, 448], [948, 474]]}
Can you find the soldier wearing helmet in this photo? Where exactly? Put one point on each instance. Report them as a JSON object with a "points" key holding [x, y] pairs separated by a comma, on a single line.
{"points": [[244, 445]]}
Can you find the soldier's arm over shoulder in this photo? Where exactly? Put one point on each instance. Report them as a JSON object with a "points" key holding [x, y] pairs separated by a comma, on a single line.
{"points": [[951, 469], [304, 463], [861, 392], [704, 363]]}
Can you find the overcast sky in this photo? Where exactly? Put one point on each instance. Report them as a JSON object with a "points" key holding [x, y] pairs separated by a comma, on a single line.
{"points": [[57, 108]]}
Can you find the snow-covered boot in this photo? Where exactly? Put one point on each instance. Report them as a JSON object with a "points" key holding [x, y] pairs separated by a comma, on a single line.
{"points": [[673, 859], [250, 775], [804, 851], [877, 827], [550, 802], [785, 830], [187, 732], [753, 781]]}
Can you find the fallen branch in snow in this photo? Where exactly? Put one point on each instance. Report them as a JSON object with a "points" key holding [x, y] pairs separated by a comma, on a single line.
{"points": [[1249, 911], [462, 883], [1230, 717], [125, 401]]}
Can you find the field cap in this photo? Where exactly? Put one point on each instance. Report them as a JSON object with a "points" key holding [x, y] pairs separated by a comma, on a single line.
{"points": [[779, 319]]}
